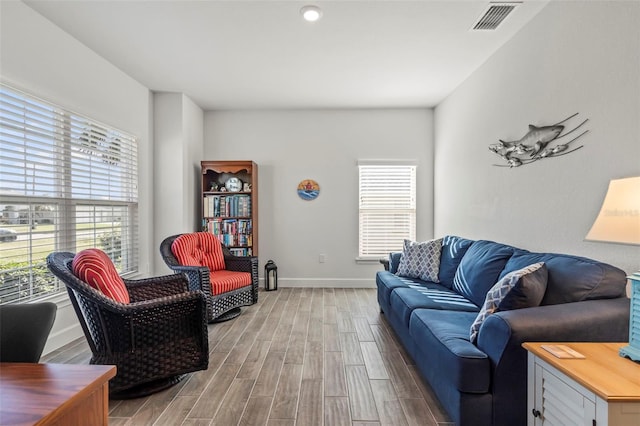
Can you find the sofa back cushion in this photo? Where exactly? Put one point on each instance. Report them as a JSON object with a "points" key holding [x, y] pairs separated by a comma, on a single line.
{"points": [[199, 249], [573, 278], [394, 261], [480, 268], [94, 267], [453, 249]]}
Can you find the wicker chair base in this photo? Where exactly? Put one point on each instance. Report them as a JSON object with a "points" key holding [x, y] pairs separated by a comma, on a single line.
{"points": [[148, 388], [229, 315]]}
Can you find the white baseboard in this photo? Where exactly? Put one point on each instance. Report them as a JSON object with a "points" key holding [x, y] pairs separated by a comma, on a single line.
{"points": [[66, 327], [326, 282]]}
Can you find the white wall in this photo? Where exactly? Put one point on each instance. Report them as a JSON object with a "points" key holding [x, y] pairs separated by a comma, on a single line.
{"points": [[194, 141], [178, 136], [323, 145], [572, 57], [39, 58]]}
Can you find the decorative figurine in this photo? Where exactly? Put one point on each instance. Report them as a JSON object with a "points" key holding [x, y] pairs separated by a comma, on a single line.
{"points": [[533, 146]]}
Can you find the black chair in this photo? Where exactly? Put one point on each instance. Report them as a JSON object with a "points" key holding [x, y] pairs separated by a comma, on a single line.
{"points": [[153, 341], [24, 329], [223, 305]]}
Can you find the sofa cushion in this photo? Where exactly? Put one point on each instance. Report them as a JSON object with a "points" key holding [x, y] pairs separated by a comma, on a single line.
{"points": [[444, 339], [519, 289], [94, 267], [420, 260], [427, 296], [453, 249], [573, 278], [387, 282], [199, 249], [480, 268]]}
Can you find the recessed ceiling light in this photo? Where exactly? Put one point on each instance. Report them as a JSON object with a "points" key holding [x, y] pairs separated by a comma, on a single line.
{"points": [[311, 13]]}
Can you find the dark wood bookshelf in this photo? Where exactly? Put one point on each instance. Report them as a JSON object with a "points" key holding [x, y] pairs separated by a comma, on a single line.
{"points": [[230, 204]]}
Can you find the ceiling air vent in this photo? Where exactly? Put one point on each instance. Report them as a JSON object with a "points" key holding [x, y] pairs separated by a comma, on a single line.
{"points": [[494, 15]]}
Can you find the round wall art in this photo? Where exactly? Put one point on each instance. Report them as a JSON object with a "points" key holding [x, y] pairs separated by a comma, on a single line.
{"points": [[308, 189]]}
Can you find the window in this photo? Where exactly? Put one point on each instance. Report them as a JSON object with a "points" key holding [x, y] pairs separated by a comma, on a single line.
{"points": [[387, 207], [67, 183]]}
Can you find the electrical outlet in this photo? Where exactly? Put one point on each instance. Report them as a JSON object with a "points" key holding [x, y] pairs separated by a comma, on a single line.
{"points": [[322, 258]]}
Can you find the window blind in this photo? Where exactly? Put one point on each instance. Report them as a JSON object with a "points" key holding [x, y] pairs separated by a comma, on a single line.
{"points": [[67, 182], [387, 210]]}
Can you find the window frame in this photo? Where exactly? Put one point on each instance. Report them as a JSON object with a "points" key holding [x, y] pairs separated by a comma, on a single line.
{"points": [[401, 178], [84, 176]]}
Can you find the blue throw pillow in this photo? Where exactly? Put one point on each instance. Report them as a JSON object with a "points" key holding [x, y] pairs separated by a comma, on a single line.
{"points": [[519, 289], [479, 269], [421, 260]]}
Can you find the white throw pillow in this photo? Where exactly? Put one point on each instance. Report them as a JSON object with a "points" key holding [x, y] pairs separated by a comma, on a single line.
{"points": [[421, 260]]}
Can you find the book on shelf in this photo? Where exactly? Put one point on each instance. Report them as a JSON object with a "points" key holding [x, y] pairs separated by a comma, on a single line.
{"points": [[231, 232], [227, 206], [241, 251]]}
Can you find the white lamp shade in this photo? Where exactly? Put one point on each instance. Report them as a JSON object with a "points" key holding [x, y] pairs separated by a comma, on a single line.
{"points": [[619, 217]]}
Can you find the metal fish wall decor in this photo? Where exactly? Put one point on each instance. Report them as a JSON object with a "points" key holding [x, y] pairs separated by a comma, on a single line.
{"points": [[538, 143]]}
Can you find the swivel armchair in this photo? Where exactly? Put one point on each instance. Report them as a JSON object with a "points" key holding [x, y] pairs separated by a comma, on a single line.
{"points": [[228, 281], [153, 330]]}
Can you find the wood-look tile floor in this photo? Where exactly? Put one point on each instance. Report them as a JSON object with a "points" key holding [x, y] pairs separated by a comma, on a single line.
{"points": [[300, 356]]}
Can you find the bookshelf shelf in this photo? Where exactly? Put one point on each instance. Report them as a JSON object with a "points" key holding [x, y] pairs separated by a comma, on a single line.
{"points": [[230, 204]]}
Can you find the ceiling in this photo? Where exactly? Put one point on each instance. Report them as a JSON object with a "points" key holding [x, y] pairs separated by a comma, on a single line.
{"points": [[260, 54]]}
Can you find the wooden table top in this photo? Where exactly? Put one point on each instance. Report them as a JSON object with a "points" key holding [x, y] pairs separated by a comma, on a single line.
{"points": [[603, 371], [31, 393]]}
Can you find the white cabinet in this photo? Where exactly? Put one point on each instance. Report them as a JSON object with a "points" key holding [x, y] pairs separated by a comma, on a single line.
{"points": [[601, 389]]}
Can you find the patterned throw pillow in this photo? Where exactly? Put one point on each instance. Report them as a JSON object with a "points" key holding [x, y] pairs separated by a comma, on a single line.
{"points": [[519, 289], [94, 267], [421, 260]]}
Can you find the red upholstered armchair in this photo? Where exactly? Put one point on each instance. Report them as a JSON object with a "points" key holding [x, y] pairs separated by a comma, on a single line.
{"points": [[228, 281]]}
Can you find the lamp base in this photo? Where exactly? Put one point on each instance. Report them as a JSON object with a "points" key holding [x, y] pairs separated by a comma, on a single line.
{"points": [[630, 352]]}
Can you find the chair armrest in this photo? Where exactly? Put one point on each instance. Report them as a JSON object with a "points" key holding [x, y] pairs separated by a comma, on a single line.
{"points": [[156, 287], [245, 264], [603, 320], [241, 264], [198, 277], [167, 319]]}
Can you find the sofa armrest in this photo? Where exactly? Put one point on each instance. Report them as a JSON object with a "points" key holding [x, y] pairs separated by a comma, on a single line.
{"points": [[603, 320], [502, 334]]}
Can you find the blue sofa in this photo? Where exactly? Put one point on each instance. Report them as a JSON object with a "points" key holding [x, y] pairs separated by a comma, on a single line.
{"points": [[486, 383]]}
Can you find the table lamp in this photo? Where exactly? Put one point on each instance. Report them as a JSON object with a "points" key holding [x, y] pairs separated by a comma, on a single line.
{"points": [[619, 222]]}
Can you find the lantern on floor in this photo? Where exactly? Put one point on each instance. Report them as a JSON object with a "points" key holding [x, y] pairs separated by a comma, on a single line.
{"points": [[270, 276]]}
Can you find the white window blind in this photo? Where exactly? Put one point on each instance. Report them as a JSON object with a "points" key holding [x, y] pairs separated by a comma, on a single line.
{"points": [[67, 182], [387, 208]]}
